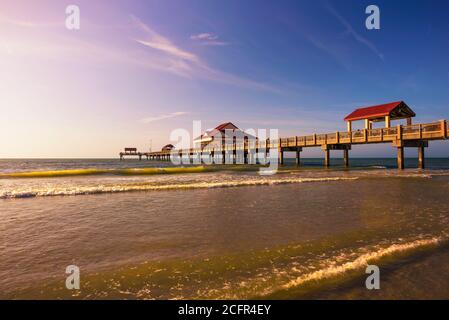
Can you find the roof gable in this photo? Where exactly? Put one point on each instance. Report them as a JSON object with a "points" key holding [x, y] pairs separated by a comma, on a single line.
{"points": [[226, 126], [396, 110], [223, 129]]}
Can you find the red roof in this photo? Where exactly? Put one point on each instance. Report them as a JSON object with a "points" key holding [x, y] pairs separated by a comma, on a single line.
{"points": [[381, 110], [224, 125], [220, 128]]}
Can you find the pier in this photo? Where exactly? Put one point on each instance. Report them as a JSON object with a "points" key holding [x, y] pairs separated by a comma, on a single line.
{"points": [[400, 136]]}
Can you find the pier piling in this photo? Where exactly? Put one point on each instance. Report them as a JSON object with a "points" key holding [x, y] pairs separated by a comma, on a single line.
{"points": [[421, 163], [346, 157], [401, 158], [326, 157], [298, 156]]}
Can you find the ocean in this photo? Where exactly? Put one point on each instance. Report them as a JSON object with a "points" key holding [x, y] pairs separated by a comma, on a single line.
{"points": [[149, 230]]}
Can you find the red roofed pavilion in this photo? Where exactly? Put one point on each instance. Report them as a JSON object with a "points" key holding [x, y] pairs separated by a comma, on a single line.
{"points": [[383, 112]]}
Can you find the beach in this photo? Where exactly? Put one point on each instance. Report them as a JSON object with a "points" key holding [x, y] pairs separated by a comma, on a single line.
{"points": [[146, 230]]}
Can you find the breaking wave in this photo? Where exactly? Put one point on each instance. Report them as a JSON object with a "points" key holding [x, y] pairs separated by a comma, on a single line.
{"points": [[94, 171], [362, 261], [98, 189]]}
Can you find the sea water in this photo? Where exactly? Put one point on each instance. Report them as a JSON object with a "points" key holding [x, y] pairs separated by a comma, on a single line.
{"points": [[141, 229]]}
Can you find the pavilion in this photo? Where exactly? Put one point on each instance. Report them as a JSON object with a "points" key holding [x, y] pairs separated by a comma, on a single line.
{"points": [[381, 113]]}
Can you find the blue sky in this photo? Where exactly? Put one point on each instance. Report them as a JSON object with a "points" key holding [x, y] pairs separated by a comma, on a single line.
{"points": [[136, 70]]}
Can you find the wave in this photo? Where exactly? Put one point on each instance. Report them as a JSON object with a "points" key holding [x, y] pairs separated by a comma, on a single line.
{"points": [[320, 277], [86, 190], [93, 171]]}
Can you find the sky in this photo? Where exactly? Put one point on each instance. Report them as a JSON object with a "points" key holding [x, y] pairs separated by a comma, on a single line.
{"points": [[137, 70]]}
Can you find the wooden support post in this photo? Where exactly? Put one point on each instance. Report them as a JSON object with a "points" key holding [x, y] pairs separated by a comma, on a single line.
{"points": [[346, 157], [399, 132], [254, 156], [401, 158], [281, 156], [409, 121], [267, 150], [326, 157], [234, 151], [298, 157], [387, 122], [421, 161], [140, 157], [444, 129], [349, 124], [366, 124]]}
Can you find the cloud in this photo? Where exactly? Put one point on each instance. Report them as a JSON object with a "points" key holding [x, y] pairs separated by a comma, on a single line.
{"points": [[158, 42], [350, 30], [328, 49], [204, 36], [176, 60], [208, 39], [162, 117], [163, 54], [30, 24]]}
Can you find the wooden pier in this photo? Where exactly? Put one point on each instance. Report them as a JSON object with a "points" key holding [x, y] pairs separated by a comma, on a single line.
{"points": [[400, 136]]}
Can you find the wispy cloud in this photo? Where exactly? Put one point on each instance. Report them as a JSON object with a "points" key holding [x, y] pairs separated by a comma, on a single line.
{"points": [[208, 39], [351, 31], [317, 40], [174, 59], [30, 24], [158, 42], [204, 36], [162, 117], [164, 56], [328, 49]]}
